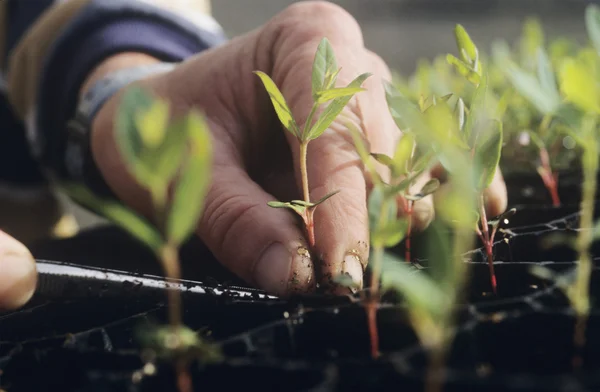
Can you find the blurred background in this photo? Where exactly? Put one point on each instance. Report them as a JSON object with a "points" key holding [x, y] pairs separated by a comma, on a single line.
{"points": [[402, 31]]}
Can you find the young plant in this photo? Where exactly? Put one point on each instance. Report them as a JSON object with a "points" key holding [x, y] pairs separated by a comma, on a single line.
{"points": [[324, 76], [480, 133], [541, 90], [580, 112], [161, 155], [407, 164], [431, 298]]}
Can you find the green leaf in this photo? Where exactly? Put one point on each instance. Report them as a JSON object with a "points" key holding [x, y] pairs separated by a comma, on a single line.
{"points": [[502, 217], [345, 280], [133, 223], [466, 47], [418, 289], [324, 66], [488, 155], [333, 110], [391, 234], [592, 24], [129, 141], [529, 87], [328, 95], [381, 208], [464, 69], [193, 182], [546, 77], [281, 107], [299, 209], [152, 123], [403, 155], [423, 162], [430, 187], [168, 157], [477, 112], [578, 84], [531, 40], [383, 159], [324, 198]]}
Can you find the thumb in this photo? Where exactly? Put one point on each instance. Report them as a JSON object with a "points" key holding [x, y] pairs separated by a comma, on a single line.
{"points": [[260, 244], [18, 275]]}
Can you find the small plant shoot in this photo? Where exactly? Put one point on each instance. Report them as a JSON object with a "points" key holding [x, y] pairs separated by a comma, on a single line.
{"points": [[162, 154], [324, 77]]}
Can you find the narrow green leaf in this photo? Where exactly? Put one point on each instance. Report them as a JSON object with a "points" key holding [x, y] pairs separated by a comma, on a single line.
{"points": [[152, 123], [592, 24], [500, 219], [529, 87], [281, 107], [193, 182], [333, 110], [324, 198], [328, 95], [478, 112], [546, 77], [133, 223], [382, 209], [129, 142], [487, 155], [531, 40], [403, 155], [324, 65], [464, 69], [391, 234], [423, 162], [466, 47], [578, 84], [383, 159], [430, 187], [346, 280], [300, 210]]}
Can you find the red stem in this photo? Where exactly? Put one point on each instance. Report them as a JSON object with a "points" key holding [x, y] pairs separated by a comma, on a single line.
{"points": [[485, 236], [372, 321], [550, 180], [310, 228]]}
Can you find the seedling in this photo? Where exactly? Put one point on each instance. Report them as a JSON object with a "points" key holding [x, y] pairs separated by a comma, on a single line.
{"points": [[480, 134], [161, 155], [324, 76], [430, 298], [580, 111], [409, 162], [541, 90]]}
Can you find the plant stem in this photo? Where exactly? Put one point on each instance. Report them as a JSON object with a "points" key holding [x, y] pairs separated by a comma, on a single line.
{"points": [[435, 373], [371, 305], [310, 226], [584, 241], [170, 260], [548, 177], [487, 243], [408, 209]]}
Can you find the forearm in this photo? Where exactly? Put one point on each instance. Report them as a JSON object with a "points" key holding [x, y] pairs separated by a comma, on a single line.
{"points": [[78, 42]]}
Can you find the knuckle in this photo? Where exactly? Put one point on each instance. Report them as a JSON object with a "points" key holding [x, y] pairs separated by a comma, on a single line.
{"points": [[224, 217]]}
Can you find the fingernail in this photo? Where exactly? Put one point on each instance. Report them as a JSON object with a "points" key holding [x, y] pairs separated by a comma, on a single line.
{"points": [[18, 278], [353, 267], [273, 269]]}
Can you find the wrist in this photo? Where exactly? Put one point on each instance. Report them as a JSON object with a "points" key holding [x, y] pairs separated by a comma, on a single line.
{"points": [[115, 63]]}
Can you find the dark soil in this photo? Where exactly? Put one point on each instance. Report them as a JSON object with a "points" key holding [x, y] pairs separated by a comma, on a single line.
{"points": [[79, 335]]}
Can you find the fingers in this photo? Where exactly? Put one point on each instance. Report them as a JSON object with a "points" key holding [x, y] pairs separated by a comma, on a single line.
{"points": [[18, 275], [423, 210], [495, 196], [341, 223], [261, 244]]}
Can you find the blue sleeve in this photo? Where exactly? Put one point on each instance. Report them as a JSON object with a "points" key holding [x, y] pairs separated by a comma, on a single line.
{"points": [[102, 29]]}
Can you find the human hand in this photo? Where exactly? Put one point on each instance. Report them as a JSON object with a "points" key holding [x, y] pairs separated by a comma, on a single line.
{"points": [[18, 274], [256, 161]]}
